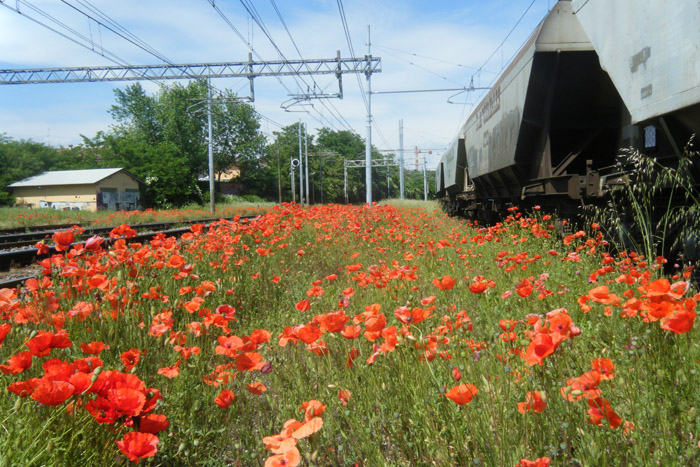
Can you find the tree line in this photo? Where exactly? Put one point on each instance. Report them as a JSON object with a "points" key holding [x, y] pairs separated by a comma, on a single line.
{"points": [[163, 140]]}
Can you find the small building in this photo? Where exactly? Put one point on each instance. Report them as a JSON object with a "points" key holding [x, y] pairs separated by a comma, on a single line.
{"points": [[85, 190]]}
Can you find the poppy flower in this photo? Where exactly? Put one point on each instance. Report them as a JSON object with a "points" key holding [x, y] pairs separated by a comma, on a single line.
{"points": [[128, 401], [171, 371], [249, 361], [256, 388], [303, 305], [153, 423], [289, 458], [21, 388], [540, 462], [93, 348], [308, 333], [53, 392], [63, 239], [445, 282], [308, 428], [17, 363], [4, 330], [478, 287], [136, 445], [605, 367], [344, 396], [456, 374], [535, 401], [540, 347], [224, 399], [130, 358], [600, 409], [462, 394], [524, 288], [351, 331], [680, 322], [93, 243]]}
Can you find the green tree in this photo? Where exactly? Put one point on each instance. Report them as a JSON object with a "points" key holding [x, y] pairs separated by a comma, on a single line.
{"points": [[160, 141], [22, 159], [236, 135]]}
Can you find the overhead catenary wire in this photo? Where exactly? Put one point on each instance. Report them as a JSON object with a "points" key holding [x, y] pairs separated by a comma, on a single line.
{"points": [[253, 12], [340, 117]]}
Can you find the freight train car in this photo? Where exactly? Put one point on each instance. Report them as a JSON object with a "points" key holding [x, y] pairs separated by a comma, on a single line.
{"points": [[594, 76]]}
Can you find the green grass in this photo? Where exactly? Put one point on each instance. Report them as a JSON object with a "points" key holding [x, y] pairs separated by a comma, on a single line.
{"points": [[11, 217], [397, 413]]}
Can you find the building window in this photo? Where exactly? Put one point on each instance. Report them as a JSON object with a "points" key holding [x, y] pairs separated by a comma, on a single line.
{"points": [[650, 137]]}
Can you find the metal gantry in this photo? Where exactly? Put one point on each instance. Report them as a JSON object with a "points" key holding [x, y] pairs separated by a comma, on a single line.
{"points": [[359, 163], [249, 69]]}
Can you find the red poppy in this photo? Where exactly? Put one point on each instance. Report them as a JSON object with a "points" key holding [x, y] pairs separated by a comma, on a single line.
{"points": [[308, 333], [21, 388], [224, 399], [93, 348], [605, 367], [308, 428], [171, 371], [535, 401], [540, 462], [17, 363], [93, 243], [137, 445], [584, 386], [53, 392], [130, 358], [524, 288], [289, 458], [4, 330], [456, 374], [256, 388], [128, 401], [344, 396], [600, 410], [63, 239], [351, 331], [462, 394], [540, 347], [249, 361], [153, 423], [445, 283], [478, 287], [680, 322]]}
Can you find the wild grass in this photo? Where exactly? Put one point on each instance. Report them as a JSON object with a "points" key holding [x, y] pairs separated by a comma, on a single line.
{"points": [[285, 274], [11, 217]]}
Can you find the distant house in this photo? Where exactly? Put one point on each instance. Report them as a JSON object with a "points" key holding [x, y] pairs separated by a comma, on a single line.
{"points": [[85, 190]]}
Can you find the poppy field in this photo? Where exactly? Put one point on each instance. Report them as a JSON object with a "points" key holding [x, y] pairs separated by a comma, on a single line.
{"points": [[350, 335]]}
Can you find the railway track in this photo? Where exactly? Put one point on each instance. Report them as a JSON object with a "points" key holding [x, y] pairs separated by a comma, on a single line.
{"points": [[16, 259]]}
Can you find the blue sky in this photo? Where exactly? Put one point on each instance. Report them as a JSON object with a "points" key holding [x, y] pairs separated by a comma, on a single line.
{"points": [[422, 44]]}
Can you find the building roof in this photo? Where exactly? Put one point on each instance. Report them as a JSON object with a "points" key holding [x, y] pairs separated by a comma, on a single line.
{"points": [[68, 177]]}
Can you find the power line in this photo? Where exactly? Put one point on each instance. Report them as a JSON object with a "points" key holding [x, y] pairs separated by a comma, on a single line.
{"points": [[424, 69], [341, 118], [429, 58]]}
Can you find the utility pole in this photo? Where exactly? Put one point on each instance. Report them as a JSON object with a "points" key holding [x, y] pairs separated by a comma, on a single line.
{"points": [[388, 182], [368, 139], [320, 172], [401, 180], [306, 166], [345, 180], [425, 181], [301, 174], [212, 196], [279, 173]]}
